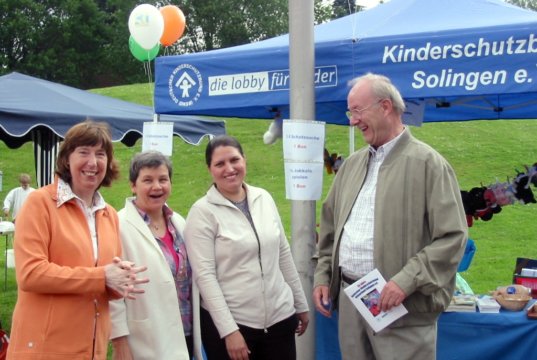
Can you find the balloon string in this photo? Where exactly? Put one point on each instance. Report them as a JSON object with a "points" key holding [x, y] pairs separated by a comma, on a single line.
{"points": [[149, 81]]}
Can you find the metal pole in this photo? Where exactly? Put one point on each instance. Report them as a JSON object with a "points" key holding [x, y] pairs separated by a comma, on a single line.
{"points": [[302, 107]]}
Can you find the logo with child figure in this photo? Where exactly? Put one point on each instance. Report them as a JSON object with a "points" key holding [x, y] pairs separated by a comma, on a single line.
{"points": [[185, 85]]}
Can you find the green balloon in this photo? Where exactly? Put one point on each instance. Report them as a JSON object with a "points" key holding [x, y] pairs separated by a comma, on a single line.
{"points": [[143, 54]]}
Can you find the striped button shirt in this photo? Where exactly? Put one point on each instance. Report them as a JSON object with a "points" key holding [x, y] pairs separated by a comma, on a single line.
{"points": [[356, 249]]}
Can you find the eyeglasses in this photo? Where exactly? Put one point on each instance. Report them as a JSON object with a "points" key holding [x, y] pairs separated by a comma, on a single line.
{"points": [[355, 113]]}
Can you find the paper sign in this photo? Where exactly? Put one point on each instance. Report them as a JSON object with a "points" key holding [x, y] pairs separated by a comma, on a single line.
{"points": [[303, 153], [303, 140], [303, 181], [158, 136]]}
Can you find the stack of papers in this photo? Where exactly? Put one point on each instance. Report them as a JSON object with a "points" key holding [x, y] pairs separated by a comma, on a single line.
{"points": [[462, 303], [487, 304]]}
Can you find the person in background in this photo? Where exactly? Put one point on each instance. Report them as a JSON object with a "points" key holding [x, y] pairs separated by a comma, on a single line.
{"points": [[164, 324], [394, 205], [67, 251], [252, 300], [16, 197]]}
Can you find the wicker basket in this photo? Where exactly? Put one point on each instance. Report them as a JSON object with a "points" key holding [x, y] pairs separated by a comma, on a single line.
{"points": [[513, 302], [519, 289]]}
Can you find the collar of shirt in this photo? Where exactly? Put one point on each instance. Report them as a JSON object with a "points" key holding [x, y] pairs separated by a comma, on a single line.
{"points": [[384, 150], [168, 213], [65, 193]]}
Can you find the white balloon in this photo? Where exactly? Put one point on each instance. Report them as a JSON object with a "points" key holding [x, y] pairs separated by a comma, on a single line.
{"points": [[146, 25]]}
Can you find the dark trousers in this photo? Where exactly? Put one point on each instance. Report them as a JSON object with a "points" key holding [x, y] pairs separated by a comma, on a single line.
{"points": [[278, 342], [190, 345]]}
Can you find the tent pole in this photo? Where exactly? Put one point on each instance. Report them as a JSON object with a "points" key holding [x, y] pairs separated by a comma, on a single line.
{"points": [[302, 107]]}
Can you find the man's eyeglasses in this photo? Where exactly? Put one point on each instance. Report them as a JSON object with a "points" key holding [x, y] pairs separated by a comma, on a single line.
{"points": [[356, 113]]}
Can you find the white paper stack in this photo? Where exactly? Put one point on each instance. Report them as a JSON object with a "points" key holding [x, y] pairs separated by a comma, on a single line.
{"points": [[487, 304]]}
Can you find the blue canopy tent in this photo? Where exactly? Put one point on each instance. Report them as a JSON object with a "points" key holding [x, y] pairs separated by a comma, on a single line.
{"points": [[41, 111], [460, 59], [465, 59]]}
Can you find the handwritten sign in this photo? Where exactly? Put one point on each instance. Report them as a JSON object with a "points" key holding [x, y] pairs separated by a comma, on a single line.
{"points": [[303, 146], [158, 136]]}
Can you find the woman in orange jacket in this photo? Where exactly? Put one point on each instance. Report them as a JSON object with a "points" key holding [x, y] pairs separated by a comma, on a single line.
{"points": [[67, 251]]}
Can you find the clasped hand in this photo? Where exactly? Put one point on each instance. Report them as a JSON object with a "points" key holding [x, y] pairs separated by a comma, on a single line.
{"points": [[121, 277]]}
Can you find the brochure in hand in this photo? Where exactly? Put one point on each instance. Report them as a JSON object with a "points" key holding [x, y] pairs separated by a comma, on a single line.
{"points": [[365, 296]]}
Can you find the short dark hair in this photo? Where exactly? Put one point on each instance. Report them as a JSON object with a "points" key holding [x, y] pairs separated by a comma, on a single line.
{"points": [[87, 133], [148, 159], [221, 140]]}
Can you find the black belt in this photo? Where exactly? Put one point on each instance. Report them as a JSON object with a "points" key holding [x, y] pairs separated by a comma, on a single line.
{"points": [[347, 279]]}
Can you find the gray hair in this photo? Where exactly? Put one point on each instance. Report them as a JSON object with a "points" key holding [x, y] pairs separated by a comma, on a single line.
{"points": [[148, 159], [382, 88]]}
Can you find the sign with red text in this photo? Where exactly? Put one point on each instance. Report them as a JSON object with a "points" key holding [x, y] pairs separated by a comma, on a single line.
{"points": [[303, 181], [303, 140], [303, 146]]}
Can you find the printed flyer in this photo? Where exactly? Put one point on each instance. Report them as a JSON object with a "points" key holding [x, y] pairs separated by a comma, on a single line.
{"points": [[365, 295]]}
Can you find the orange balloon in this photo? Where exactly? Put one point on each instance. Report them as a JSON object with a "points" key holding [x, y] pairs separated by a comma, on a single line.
{"points": [[174, 24]]}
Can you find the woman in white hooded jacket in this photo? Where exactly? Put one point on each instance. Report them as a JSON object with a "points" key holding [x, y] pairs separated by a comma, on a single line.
{"points": [[252, 300]]}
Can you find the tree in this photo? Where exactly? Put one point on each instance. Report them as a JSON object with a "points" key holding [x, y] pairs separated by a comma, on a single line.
{"points": [[224, 23], [343, 8], [22, 28], [219, 24], [81, 43], [118, 66], [52, 39], [322, 11], [84, 43], [527, 4]]}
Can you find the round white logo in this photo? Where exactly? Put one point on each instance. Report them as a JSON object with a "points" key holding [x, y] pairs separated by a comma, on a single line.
{"points": [[185, 85]]}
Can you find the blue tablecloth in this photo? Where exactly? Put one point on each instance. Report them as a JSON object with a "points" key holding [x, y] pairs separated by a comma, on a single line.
{"points": [[461, 336], [326, 341]]}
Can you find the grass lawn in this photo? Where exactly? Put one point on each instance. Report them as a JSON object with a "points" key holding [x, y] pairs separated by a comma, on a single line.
{"points": [[479, 151]]}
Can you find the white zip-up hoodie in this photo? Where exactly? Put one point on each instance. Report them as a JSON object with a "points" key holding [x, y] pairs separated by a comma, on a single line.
{"points": [[242, 281]]}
